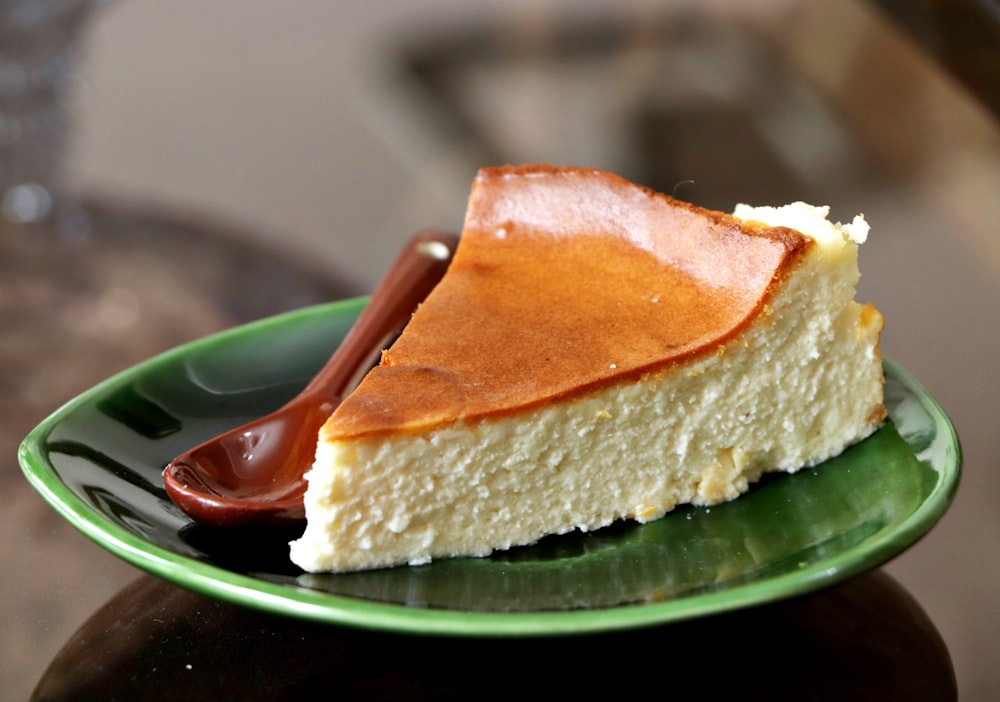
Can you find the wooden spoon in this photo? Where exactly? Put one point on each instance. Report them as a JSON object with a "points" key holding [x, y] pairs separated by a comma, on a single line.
{"points": [[255, 474]]}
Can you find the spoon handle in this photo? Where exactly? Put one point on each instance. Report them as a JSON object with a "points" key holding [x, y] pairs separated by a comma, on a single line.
{"points": [[414, 273]]}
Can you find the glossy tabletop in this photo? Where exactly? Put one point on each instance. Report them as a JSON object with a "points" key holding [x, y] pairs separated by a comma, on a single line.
{"points": [[866, 639]]}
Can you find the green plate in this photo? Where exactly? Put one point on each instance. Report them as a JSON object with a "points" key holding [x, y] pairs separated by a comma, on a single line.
{"points": [[98, 462]]}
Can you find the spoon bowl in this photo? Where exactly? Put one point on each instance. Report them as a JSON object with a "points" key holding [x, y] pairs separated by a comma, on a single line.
{"points": [[255, 473]]}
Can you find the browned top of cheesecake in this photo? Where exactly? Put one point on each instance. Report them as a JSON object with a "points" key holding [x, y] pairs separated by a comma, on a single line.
{"points": [[566, 279]]}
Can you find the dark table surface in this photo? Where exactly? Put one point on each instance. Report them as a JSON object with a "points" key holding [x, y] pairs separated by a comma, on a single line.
{"points": [[866, 639]]}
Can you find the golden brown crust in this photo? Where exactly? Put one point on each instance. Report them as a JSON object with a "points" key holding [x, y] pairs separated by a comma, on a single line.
{"points": [[565, 280]]}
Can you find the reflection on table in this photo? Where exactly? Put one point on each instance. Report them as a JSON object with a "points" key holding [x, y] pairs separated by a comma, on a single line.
{"points": [[866, 639]]}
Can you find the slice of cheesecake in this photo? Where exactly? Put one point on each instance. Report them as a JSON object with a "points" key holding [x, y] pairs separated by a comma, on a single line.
{"points": [[595, 352]]}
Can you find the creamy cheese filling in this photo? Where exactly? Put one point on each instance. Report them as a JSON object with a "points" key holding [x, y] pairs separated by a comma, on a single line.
{"points": [[794, 388]]}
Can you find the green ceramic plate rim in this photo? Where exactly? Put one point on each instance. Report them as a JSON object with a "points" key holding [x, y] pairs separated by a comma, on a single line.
{"points": [[323, 607]]}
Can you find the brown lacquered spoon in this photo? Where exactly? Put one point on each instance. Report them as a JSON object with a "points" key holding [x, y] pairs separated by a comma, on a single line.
{"points": [[255, 474]]}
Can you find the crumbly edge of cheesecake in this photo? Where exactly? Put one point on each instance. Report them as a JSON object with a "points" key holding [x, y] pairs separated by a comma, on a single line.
{"points": [[792, 390]]}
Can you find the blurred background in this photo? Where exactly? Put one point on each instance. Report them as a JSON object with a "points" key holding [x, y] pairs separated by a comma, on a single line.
{"points": [[228, 160]]}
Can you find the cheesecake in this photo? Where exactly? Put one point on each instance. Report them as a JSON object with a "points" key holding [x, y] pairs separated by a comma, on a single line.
{"points": [[596, 352]]}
